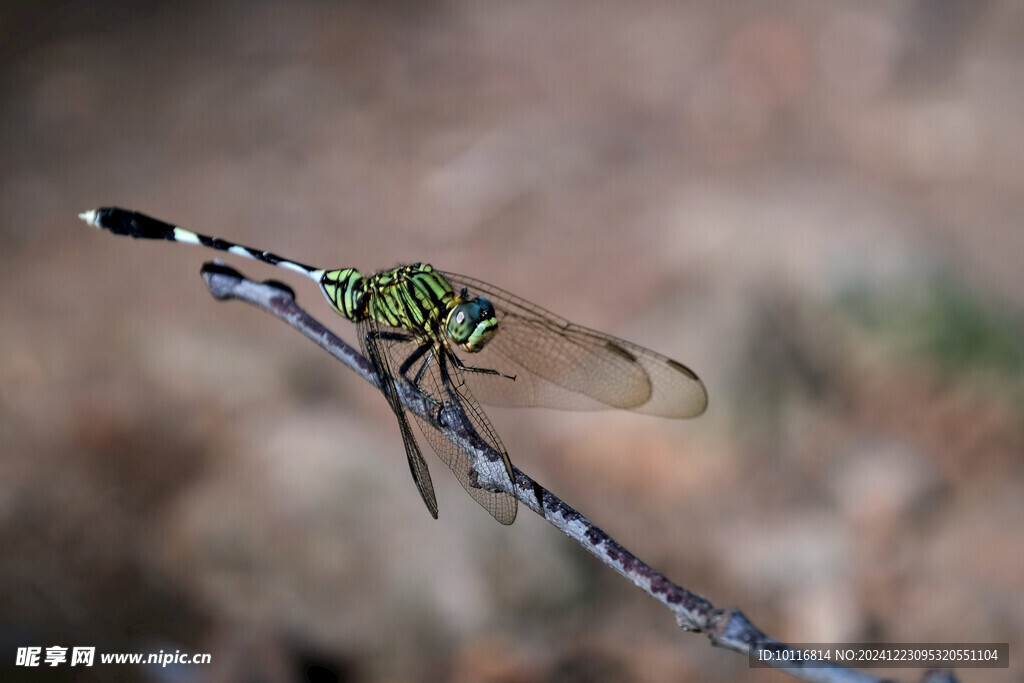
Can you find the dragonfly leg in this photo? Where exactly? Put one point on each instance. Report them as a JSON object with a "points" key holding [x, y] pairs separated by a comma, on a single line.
{"points": [[408, 363], [392, 336], [413, 357], [482, 371]]}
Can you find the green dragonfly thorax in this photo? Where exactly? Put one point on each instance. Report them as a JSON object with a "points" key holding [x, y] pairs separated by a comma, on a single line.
{"points": [[415, 298]]}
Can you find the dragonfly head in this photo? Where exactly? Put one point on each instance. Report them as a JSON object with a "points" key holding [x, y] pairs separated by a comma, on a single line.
{"points": [[471, 323]]}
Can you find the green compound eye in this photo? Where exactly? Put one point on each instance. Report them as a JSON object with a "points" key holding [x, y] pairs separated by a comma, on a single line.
{"points": [[472, 323]]}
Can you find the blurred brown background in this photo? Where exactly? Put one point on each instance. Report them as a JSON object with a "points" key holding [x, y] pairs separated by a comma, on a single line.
{"points": [[815, 205]]}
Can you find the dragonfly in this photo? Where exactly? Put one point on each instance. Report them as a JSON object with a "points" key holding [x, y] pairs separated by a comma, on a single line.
{"points": [[458, 341]]}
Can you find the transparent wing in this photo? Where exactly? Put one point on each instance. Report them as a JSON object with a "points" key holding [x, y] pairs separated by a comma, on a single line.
{"points": [[444, 381], [559, 364], [371, 346]]}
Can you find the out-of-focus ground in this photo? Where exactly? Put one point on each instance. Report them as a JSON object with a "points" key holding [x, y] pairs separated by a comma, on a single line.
{"points": [[817, 206]]}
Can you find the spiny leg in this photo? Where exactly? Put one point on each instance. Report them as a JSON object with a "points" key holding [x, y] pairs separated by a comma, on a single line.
{"points": [[427, 346], [426, 362], [423, 348], [482, 371]]}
